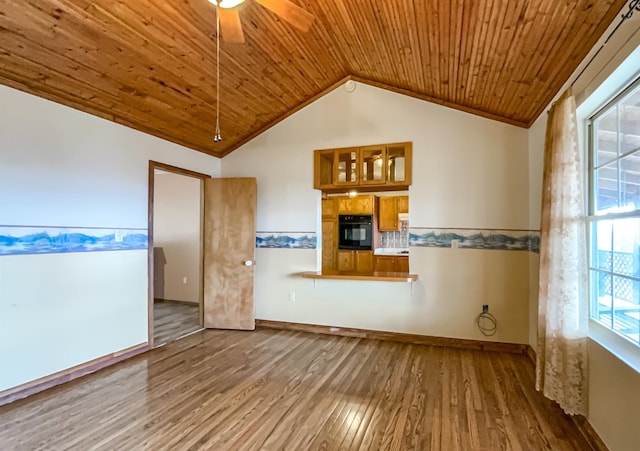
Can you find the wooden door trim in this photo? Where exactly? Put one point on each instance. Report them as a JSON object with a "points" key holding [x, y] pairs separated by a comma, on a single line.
{"points": [[150, 282]]}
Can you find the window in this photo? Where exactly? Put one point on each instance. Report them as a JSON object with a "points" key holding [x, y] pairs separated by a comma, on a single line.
{"points": [[614, 214]]}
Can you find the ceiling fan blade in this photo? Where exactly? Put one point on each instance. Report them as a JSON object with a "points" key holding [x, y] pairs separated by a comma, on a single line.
{"points": [[230, 24], [290, 12]]}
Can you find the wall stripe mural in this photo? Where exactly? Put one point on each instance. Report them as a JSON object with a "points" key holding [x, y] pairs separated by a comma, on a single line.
{"points": [[286, 240], [23, 240], [517, 240]]}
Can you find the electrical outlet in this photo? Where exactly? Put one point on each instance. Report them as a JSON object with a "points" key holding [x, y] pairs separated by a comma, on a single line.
{"points": [[485, 308], [184, 280], [455, 244]]}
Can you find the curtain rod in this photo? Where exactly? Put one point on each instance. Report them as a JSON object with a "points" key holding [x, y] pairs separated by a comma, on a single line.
{"points": [[634, 5]]}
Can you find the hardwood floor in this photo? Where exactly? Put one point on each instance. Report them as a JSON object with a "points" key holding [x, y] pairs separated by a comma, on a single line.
{"points": [[274, 389], [172, 320]]}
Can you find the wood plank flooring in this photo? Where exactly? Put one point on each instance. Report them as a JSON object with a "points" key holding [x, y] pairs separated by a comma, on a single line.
{"points": [[274, 389], [172, 320]]}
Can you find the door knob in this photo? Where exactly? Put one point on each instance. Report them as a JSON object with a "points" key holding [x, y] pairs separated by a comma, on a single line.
{"points": [[249, 263]]}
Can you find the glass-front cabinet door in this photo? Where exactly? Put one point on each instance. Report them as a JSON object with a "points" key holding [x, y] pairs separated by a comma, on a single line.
{"points": [[346, 166], [372, 165], [399, 164]]}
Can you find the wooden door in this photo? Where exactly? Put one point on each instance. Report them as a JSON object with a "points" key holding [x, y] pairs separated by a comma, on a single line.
{"points": [[229, 249]]}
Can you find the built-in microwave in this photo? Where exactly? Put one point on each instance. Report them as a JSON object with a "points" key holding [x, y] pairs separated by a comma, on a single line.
{"points": [[355, 232]]}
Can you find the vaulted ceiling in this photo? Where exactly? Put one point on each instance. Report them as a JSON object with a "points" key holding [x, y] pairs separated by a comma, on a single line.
{"points": [[150, 64]]}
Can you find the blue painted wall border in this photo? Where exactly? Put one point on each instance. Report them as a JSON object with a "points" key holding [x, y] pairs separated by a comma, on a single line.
{"points": [[514, 240], [286, 240], [30, 240]]}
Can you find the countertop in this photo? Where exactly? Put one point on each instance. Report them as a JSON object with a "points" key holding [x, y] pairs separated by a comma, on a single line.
{"points": [[392, 251], [379, 276]]}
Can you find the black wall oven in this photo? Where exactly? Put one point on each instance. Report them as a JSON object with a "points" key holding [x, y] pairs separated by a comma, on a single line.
{"points": [[355, 232]]}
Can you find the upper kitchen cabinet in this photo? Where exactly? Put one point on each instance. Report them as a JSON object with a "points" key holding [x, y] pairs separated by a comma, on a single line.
{"points": [[359, 205], [381, 167], [403, 204], [324, 168], [388, 214], [347, 172], [372, 165], [398, 164]]}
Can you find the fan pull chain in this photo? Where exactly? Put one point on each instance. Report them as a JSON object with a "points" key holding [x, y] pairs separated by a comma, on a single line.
{"points": [[217, 138]]}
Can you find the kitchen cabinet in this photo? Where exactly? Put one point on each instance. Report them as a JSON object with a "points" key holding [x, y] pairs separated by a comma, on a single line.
{"points": [[324, 168], [377, 167], [358, 205], [388, 263], [329, 233], [330, 208], [372, 160], [403, 204], [388, 214], [402, 264], [398, 165], [347, 171], [355, 261], [329, 243]]}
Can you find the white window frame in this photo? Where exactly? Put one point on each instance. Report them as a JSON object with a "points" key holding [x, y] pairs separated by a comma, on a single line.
{"points": [[622, 346]]}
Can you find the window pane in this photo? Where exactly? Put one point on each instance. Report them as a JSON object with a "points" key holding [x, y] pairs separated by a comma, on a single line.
{"points": [[601, 289], [626, 307], [607, 188], [606, 130], [630, 122], [626, 246], [601, 246], [614, 246], [630, 181]]}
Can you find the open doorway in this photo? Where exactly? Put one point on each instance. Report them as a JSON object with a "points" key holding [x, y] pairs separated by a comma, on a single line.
{"points": [[175, 253]]}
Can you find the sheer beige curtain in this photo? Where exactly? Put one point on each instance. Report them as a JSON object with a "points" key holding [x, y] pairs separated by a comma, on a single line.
{"points": [[561, 367]]}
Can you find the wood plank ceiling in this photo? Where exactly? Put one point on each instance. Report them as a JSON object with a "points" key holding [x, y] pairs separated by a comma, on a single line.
{"points": [[150, 64]]}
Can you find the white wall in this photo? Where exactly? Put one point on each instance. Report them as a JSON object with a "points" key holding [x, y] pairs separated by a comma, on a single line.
{"points": [[536, 164], [62, 167], [176, 231], [468, 172]]}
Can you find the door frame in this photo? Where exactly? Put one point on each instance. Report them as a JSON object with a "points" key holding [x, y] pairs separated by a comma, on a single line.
{"points": [[150, 272]]}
